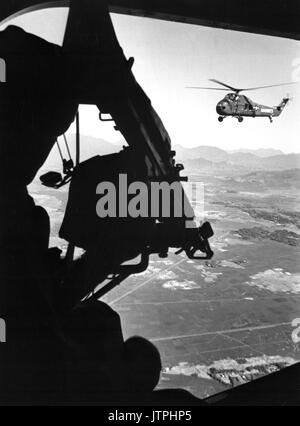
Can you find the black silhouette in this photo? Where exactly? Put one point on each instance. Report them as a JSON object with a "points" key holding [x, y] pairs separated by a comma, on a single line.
{"points": [[60, 349]]}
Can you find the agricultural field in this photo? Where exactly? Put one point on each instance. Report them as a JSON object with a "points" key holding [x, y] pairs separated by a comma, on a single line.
{"points": [[223, 322]]}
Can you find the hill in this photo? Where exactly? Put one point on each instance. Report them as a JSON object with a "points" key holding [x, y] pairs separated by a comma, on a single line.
{"points": [[247, 159], [208, 153], [207, 158], [90, 147], [272, 179], [262, 152]]}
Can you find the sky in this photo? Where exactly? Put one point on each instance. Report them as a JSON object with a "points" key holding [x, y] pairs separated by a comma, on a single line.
{"points": [[170, 56]]}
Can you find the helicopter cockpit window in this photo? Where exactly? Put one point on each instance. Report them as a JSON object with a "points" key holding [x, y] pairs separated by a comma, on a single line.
{"points": [[232, 96]]}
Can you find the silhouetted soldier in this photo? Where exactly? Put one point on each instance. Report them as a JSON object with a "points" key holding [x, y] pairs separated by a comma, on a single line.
{"points": [[53, 351], [34, 110]]}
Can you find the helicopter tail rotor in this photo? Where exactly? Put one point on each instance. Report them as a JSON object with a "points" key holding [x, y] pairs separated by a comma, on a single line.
{"points": [[285, 102], [290, 99]]}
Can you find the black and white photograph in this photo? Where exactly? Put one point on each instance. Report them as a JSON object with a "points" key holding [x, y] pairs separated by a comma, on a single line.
{"points": [[150, 205]]}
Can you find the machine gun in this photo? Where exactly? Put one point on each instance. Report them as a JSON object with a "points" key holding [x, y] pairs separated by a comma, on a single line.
{"points": [[104, 78]]}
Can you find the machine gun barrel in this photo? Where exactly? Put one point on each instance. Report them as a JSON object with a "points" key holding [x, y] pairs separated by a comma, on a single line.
{"points": [[101, 75]]}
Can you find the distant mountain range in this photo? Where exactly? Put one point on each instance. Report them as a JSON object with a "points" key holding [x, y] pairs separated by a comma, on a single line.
{"points": [[202, 157], [212, 157], [262, 152], [89, 147]]}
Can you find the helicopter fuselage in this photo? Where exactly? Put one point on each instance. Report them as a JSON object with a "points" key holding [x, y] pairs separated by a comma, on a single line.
{"points": [[236, 105], [240, 106]]}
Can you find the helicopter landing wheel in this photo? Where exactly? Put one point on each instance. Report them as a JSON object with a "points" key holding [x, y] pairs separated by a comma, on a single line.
{"points": [[240, 119], [220, 119]]}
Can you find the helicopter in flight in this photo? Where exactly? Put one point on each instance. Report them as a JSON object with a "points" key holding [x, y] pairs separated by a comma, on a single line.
{"points": [[239, 106]]}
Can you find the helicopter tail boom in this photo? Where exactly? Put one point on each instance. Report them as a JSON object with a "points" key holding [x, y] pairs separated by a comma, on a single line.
{"points": [[281, 106]]}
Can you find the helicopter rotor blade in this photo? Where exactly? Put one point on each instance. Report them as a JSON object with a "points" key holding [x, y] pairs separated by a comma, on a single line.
{"points": [[239, 90], [225, 85], [207, 88], [266, 87]]}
